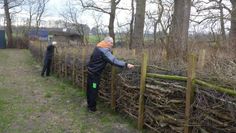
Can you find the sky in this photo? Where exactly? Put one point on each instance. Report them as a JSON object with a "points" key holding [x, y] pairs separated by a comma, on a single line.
{"points": [[55, 7]]}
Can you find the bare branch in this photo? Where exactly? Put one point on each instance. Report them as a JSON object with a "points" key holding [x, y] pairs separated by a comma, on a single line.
{"points": [[16, 4], [93, 6], [117, 2]]}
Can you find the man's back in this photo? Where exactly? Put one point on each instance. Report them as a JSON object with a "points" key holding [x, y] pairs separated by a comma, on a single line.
{"points": [[50, 52], [99, 59]]}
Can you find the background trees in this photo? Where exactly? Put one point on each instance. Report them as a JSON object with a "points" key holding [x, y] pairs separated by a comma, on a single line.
{"points": [[177, 45], [11, 7], [166, 23], [110, 10], [233, 25], [137, 37]]}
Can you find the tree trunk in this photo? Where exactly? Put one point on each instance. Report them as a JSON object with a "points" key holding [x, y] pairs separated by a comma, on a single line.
{"points": [[233, 25], [158, 20], [8, 28], [222, 24], [138, 39], [155, 32], [112, 19], [177, 45], [30, 19], [131, 25]]}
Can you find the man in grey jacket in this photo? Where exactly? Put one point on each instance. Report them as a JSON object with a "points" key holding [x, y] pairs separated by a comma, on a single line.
{"points": [[99, 58], [48, 57]]}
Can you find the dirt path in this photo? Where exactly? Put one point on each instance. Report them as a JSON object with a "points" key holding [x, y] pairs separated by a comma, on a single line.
{"points": [[32, 104]]}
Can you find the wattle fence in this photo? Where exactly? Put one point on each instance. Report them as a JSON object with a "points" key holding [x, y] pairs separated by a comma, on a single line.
{"points": [[163, 103]]}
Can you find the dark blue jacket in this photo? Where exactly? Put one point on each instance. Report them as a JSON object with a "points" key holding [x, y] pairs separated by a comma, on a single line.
{"points": [[99, 58], [50, 52]]}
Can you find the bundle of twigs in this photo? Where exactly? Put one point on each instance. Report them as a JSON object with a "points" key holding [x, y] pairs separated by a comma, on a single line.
{"points": [[211, 111]]}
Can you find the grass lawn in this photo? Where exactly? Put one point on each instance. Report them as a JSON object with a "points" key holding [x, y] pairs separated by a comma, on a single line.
{"points": [[30, 103]]}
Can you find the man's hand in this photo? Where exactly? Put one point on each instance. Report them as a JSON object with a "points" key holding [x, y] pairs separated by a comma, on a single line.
{"points": [[130, 66]]}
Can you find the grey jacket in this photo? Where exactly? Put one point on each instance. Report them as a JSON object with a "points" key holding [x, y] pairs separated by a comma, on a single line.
{"points": [[99, 58]]}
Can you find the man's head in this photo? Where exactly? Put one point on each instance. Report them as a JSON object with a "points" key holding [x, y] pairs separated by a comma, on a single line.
{"points": [[50, 38], [109, 40], [54, 43]]}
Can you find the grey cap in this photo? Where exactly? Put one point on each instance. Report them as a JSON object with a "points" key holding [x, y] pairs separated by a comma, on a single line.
{"points": [[108, 39]]}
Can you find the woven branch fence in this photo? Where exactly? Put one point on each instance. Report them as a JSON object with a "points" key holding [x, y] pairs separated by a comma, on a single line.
{"points": [[163, 103]]}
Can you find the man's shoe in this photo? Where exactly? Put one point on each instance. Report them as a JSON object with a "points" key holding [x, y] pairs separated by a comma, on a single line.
{"points": [[92, 110]]}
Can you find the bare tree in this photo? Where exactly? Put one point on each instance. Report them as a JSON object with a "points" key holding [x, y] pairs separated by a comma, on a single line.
{"points": [[137, 38], [177, 46], [156, 16], [91, 5], [9, 27], [131, 25], [71, 15], [233, 25], [9, 5], [40, 10], [216, 12], [97, 29], [31, 8]]}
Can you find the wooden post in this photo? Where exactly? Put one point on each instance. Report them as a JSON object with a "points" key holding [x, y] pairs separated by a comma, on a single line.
{"points": [[41, 52], [61, 64], [113, 79], [58, 62], [201, 61], [65, 66], [133, 52], [142, 90], [83, 68], [73, 70], [189, 91], [76, 70], [54, 63], [164, 55]]}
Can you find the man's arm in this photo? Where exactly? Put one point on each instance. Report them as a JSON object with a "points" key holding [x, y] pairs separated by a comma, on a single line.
{"points": [[114, 61]]}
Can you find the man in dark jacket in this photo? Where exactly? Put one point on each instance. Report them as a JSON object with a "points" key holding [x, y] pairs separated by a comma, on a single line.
{"points": [[99, 58], [48, 58]]}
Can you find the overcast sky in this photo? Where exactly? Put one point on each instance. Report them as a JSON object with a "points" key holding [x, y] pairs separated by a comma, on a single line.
{"points": [[55, 7]]}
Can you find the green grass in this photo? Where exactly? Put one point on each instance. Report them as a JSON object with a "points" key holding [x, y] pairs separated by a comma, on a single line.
{"points": [[48, 95], [9, 106], [32, 104]]}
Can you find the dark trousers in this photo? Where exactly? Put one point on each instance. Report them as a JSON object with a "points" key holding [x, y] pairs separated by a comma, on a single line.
{"points": [[92, 90], [46, 67]]}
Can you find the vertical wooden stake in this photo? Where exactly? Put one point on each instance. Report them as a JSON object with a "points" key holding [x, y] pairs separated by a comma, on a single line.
{"points": [[133, 52], [83, 68], [54, 63], [164, 55], [61, 64], [142, 90], [73, 70], [76, 70], [201, 61], [65, 65], [189, 91], [41, 53], [113, 79], [58, 63]]}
